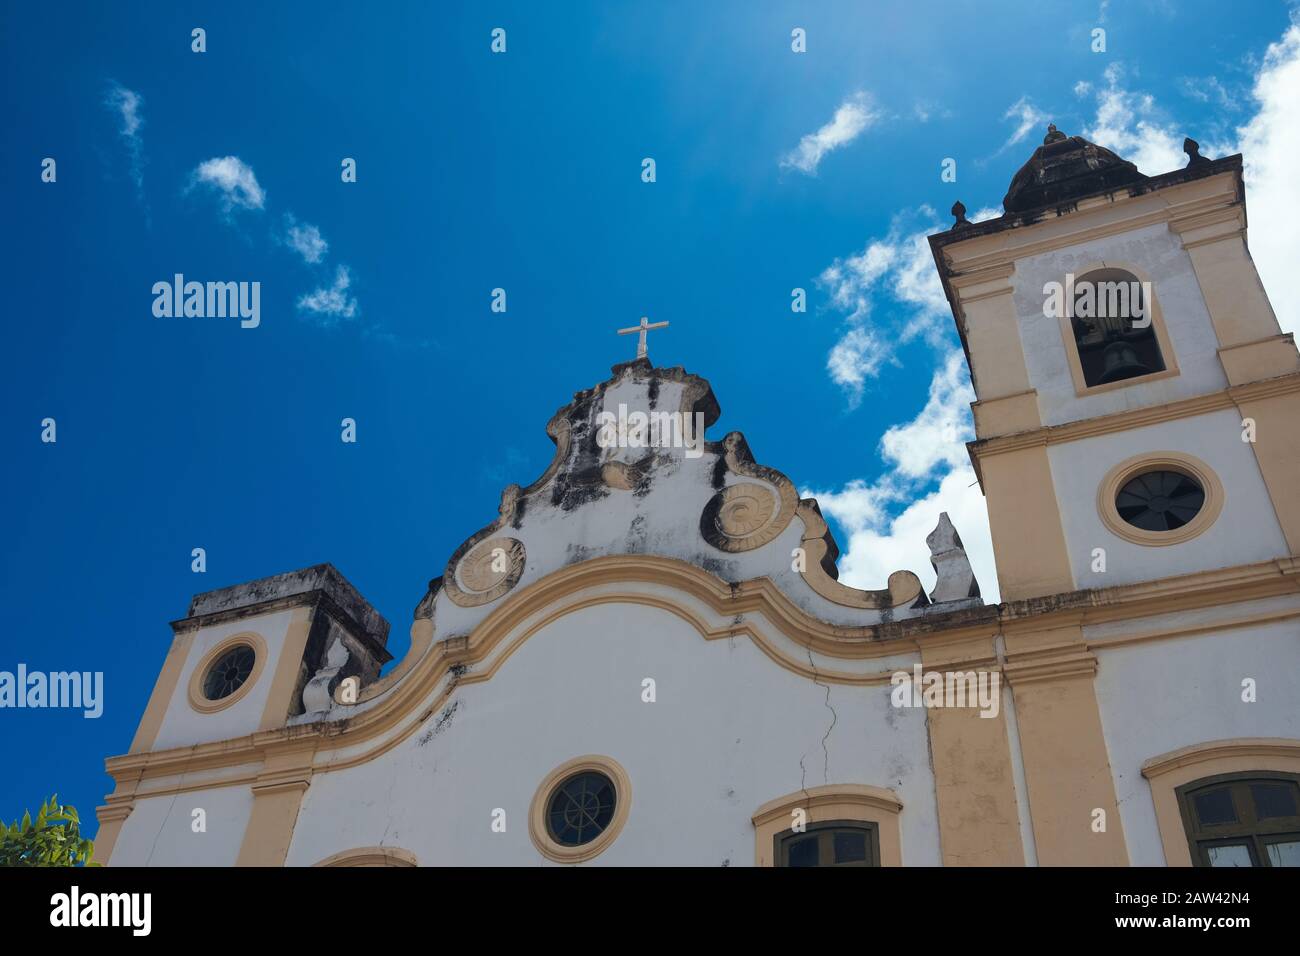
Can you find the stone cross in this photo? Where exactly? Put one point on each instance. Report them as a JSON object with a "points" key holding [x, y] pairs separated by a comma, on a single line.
{"points": [[645, 326]]}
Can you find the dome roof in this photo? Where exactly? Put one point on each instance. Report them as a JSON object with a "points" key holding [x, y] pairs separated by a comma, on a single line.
{"points": [[1066, 168]]}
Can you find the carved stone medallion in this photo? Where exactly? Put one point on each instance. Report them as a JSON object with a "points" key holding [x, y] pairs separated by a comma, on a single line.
{"points": [[743, 517], [486, 572]]}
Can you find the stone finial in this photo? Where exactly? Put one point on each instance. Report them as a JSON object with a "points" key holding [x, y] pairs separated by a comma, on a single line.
{"points": [[959, 214], [1193, 150], [316, 695], [1054, 135], [956, 581]]}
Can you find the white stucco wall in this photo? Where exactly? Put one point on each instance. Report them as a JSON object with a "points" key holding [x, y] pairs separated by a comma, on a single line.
{"points": [[1159, 696], [1246, 530], [159, 831], [730, 730], [1157, 252], [182, 725]]}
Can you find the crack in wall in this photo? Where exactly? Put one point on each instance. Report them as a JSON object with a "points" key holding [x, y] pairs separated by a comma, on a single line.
{"points": [[826, 754]]}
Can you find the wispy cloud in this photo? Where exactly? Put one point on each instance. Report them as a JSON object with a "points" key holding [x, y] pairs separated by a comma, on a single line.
{"points": [[332, 304], [855, 115], [892, 277], [926, 472], [1129, 123], [128, 105], [305, 239], [232, 180], [1028, 118]]}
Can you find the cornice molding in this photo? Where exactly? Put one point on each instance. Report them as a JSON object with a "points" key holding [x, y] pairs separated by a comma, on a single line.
{"points": [[287, 756], [1136, 417]]}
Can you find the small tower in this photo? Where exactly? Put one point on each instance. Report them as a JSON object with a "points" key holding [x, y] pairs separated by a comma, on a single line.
{"points": [[1137, 400]]}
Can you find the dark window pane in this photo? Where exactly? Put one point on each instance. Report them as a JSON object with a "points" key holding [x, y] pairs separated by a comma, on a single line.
{"points": [[1215, 807], [1273, 800], [804, 852], [850, 846]]}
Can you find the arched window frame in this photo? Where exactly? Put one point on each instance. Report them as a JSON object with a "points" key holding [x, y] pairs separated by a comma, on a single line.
{"points": [[371, 856], [1081, 387], [1168, 773], [845, 803]]}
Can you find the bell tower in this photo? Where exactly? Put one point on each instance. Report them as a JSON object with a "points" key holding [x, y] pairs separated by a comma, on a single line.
{"points": [[1137, 402]]}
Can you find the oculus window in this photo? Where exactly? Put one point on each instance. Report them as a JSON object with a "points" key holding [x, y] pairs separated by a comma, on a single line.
{"points": [[229, 672]]}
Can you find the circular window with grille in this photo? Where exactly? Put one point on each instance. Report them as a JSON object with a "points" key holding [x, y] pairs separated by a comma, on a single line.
{"points": [[1160, 498], [229, 672], [579, 809]]}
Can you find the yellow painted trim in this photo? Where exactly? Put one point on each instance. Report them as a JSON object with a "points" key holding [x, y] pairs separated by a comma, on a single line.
{"points": [[163, 692], [1229, 398], [1169, 771], [287, 668], [979, 812], [111, 818], [371, 856], [540, 832], [1277, 452], [426, 687], [1191, 630], [1180, 462], [1063, 747], [844, 801], [1029, 547], [195, 689], [277, 800]]}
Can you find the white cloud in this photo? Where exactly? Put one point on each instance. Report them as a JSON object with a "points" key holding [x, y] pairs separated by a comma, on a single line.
{"points": [[333, 303], [897, 273], [1129, 125], [1082, 88], [853, 117], [1028, 118], [935, 438], [1269, 144], [856, 357], [233, 180], [929, 448], [305, 239], [1208, 89], [129, 107]]}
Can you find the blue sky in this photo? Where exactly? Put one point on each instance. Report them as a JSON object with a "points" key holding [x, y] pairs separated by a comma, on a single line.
{"points": [[774, 170]]}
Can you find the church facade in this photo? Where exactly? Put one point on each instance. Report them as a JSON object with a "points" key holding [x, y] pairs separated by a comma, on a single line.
{"points": [[646, 657]]}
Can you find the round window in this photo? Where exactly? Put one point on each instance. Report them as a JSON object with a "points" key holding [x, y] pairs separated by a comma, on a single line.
{"points": [[1160, 500], [229, 672], [580, 808]]}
